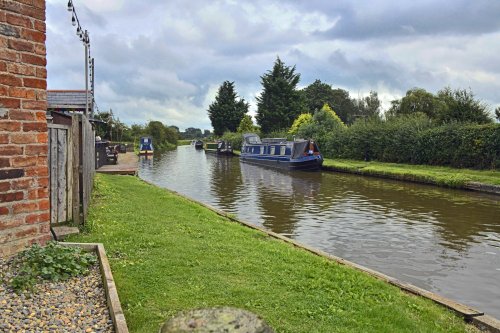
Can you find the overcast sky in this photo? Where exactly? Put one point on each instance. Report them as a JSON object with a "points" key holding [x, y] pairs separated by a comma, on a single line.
{"points": [[164, 60]]}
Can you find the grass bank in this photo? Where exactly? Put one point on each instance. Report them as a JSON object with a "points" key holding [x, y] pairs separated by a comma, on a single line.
{"points": [[183, 142], [170, 254], [443, 176]]}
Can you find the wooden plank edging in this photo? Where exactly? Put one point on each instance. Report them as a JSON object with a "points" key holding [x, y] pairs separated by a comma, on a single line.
{"points": [[470, 315], [112, 299]]}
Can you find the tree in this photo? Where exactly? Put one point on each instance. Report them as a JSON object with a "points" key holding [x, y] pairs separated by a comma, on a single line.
{"points": [[418, 100], [369, 106], [462, 106], [191, 133], [246, 125], [323, 123], [161, 134], [303, 119], [317, 94], [280, 102], [227, 110], [497, 113]]}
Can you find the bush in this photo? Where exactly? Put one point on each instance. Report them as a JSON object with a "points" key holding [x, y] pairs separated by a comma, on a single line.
{"points": [[415, 139]]}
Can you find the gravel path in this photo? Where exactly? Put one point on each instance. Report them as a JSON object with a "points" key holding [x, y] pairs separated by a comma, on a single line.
{"points": [[75, 305]]}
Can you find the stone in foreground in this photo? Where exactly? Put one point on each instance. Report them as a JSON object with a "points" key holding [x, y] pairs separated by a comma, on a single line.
{"points": [[216, 320]]}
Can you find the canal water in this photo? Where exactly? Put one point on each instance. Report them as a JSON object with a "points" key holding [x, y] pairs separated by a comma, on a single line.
{"points": [[446, 241]]}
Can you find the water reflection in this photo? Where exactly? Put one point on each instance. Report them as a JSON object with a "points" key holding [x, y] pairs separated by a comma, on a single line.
{"points": [[447, 241]]}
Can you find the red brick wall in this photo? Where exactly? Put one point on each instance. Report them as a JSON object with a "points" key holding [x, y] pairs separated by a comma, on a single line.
{"points": [[24, 197]]}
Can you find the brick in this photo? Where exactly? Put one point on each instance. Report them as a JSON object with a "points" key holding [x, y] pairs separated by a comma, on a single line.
{"points": [[3, 211], [42, 138], [24, 207], [22, 115], [15, 68], [43, 181], [40, 49], [9, 55], [35, 83], [41, 95], [33, 59], [3, 65], [10, 80], [39, 149], [11, 173], [24, 161], [33, 35], [4, 162], [22, 93], [20, 45], [34, 105], [30, 231], [4, 186], [44, 228], [9, 31], [12, 196], [10, 126], [21, 183], [44, 204], [32, 218], [42, 171], [20, 21], [35, 127], [10, 150], [41, 73], [23, 138], [40, 26], [41, 116], [39, 4], [42, 160], [10, 103], [4, 139]]}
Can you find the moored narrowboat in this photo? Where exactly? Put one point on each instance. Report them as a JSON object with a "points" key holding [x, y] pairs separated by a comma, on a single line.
{"points": [[198, 144], [220, 147], [279, 153], [146, 146]]}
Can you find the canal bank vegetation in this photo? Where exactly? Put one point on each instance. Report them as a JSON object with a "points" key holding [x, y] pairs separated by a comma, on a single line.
{"points": [[450, 128], [170, 254]]}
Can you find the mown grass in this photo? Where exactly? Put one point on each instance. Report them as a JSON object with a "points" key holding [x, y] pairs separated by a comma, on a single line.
{"points": [[439, 175], [183, 142], [169, 254]]}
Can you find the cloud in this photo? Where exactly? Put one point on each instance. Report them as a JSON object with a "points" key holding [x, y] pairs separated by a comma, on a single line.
{"points": [[165, 60]]}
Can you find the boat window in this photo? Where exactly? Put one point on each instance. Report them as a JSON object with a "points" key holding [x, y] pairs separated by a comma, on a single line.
{"points": [[272, 150], [261, 150], [282, 150]]}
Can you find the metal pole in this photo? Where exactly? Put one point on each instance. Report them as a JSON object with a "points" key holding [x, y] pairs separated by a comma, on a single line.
{"points": [[86, 73], [92, 87]]}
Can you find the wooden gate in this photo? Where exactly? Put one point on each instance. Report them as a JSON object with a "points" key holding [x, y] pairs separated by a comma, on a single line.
{"points": [[60, 173]]}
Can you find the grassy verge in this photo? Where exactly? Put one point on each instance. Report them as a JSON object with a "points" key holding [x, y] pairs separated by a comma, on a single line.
{"points": [[183, 142], [170, 254], [444, 176]]}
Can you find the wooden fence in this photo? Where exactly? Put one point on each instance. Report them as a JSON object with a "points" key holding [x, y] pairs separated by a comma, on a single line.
{"points": [[71, 169]]}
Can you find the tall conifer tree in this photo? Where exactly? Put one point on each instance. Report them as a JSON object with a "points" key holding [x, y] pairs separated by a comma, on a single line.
{"points": [[280, 102], [227, 110]]}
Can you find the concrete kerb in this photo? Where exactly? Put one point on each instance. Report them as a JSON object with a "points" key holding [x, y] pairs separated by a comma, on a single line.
{"points": [[470, 315], [112, 299]]}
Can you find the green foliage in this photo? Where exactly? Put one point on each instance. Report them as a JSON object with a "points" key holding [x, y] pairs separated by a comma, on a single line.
{"points": [[280, 102], [162, 135], [226, 112], [236, 139], [497, 113], [303, 119], [324, 124], [416, 139], [247, 126], [170, 254], [462, 107], [53, 262], [447, 106]]}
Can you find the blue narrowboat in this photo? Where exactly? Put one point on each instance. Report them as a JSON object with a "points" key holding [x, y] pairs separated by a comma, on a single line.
{"points": [[279, 153], [145, 146]]}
